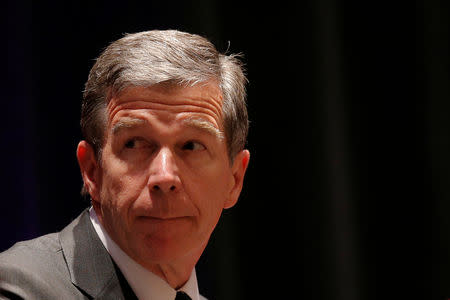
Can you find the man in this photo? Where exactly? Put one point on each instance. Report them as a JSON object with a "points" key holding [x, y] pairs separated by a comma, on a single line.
{"points": [[165, 124]]}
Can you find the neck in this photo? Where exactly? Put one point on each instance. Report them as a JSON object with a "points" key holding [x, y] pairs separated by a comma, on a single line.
{"points": [[177, 273], [176, 277]]}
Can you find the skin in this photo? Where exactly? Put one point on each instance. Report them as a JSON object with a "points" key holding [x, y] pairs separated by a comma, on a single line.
{"points": [[164, 176]]}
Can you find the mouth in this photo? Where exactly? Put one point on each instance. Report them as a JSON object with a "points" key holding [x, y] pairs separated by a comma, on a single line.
{"points": [[166, 225], [163, 218]]}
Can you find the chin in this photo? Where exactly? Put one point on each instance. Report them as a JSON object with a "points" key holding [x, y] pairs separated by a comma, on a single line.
{"points": [[159, 251]]}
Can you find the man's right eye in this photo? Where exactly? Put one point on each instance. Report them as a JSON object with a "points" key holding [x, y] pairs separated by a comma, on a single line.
{"points": [[137, 143], [130, 144]]}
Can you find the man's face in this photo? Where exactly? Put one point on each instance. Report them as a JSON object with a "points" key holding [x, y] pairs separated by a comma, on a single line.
{"points": [[165, 175]]}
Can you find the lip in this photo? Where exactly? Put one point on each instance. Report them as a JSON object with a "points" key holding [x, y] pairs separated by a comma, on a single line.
{"points": [[162, 218], [162, 222]]}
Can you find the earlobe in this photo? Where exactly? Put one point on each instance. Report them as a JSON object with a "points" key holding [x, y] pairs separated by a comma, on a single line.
{"points": [[239, 168], [89, 168]]}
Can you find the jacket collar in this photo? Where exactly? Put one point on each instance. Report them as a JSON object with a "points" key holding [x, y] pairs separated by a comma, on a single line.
{"points": [[90, 266]]}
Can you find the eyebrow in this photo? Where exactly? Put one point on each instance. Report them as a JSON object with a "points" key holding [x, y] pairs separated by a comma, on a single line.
{"points": [[203, 125], [127, 122], [196, 123]]}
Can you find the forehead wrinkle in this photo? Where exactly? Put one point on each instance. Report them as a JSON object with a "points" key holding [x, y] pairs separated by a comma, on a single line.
{"points": [[127, 122], [176, 107], [169, 108], [153, 99], [203, 125]]}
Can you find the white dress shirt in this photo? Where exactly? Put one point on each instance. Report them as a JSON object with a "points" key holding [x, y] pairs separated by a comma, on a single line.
{"points": [[145, 284]]}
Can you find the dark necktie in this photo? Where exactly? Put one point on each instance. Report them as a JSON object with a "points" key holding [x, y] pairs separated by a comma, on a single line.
{"points": [[182, 296]]}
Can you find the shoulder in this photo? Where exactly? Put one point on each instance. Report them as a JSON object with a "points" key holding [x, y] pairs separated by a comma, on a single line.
{"points": [[47, 242], [32, 269], [33, 253]]}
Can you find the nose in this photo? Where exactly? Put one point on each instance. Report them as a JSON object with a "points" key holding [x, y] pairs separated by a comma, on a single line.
{"points": [[164, 175]]}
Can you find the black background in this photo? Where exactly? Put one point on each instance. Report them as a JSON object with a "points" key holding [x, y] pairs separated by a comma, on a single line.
{"points": [[347, 193]]}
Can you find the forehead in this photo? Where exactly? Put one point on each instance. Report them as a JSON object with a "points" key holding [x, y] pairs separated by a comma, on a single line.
{"points": [[203, 100]]}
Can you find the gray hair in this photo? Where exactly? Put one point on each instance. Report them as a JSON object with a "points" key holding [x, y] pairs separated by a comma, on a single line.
{"points": [[160, 57]]}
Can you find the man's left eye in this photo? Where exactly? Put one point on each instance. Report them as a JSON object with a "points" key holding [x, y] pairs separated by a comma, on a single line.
{"points": [[193, 146]]}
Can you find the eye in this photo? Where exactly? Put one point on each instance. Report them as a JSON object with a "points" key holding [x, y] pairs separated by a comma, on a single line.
{"points": [[130, 144], [135, 143], [193, 146]]}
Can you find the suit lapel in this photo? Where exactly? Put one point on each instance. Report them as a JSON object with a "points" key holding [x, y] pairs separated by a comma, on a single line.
{"points": [[90, 265]]}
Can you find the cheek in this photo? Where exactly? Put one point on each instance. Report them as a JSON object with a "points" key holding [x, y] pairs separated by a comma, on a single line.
{"points": [[120, 187], [210, 191]]}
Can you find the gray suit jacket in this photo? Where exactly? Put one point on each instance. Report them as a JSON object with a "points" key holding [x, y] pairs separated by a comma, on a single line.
{"points": [[71, 264]]}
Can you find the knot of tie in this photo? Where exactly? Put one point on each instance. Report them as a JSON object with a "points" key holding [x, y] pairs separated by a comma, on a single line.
{"points": [[182, 296]]}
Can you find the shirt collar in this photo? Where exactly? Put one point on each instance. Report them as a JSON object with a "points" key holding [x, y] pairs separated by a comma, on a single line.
{"points": [[145, 284]]}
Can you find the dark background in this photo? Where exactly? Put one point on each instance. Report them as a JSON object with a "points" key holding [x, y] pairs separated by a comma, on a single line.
{"points": [[347, 195]]}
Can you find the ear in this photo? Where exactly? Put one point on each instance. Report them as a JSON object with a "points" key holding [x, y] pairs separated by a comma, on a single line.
{"points": [[89, 168], [238, 169]]}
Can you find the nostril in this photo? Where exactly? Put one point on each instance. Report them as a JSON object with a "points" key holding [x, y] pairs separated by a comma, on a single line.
{"points": [[157, 187]]}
